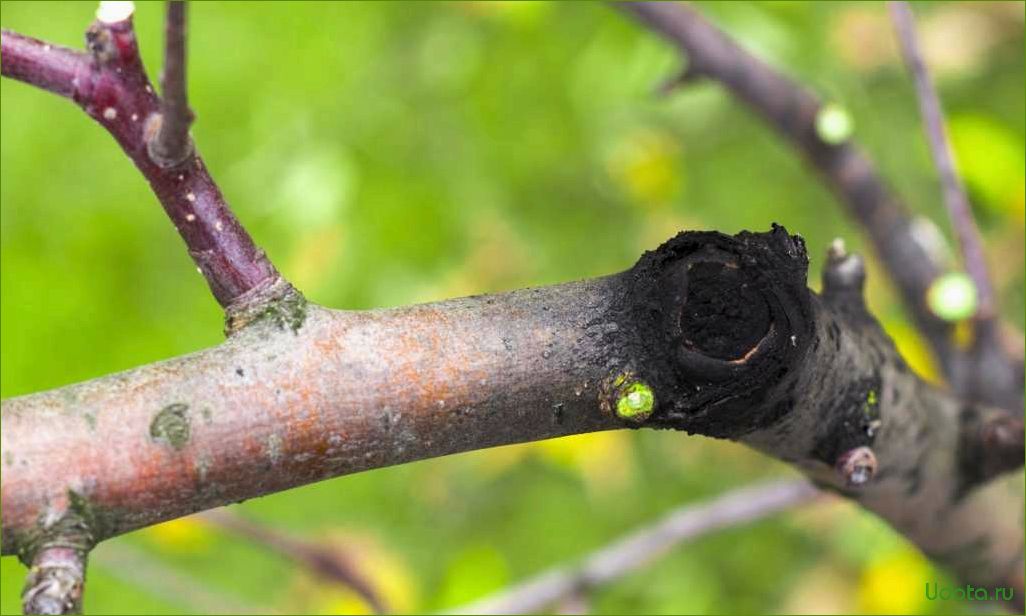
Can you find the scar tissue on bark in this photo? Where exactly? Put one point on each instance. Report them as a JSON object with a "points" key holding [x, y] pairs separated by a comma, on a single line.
{"points": [[171, 425], [857, 466]]}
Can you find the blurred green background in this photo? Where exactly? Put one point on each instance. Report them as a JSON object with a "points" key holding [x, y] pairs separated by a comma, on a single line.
{"points": [[386, 154]]}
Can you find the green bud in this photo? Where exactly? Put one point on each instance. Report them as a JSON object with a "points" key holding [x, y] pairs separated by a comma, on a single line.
{"points": [[636, 402], [952, 297], [834, 124]]}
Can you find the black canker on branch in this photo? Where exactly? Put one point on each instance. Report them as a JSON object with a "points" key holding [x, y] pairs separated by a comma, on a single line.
{"points": [[715, 325]]}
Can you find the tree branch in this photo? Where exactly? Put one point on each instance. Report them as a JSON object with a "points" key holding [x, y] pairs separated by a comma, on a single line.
{"points": [[792, 110], [48, 67], [988, 347], [326, 562], [710, 334], [172, 146], [55, 581], [645, 545], [172, 585], [111, 86], [955, 199]]}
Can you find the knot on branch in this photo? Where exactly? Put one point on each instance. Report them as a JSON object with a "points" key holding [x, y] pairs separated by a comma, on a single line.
{"points": [[844, 280], [275, 301], [720, 322], [169, 146], [111, 41]]}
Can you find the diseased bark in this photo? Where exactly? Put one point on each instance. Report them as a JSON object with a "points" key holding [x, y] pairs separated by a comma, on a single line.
{"points": [[987, 372], [721, 330]]}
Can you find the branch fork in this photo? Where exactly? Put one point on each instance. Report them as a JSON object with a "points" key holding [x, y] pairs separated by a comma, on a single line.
{"points": [[111, 85]]}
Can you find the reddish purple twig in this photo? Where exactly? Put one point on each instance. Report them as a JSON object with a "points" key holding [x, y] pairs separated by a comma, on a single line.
{"points": [[325, 562], [111, 85]]}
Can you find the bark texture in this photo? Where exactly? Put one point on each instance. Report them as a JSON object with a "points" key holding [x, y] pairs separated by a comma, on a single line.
{"points": [[721, 331]]}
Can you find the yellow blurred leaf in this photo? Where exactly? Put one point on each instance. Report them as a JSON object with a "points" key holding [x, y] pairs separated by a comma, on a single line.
{"points": [[647, 166], [497, 460], [825, 590], [605, 460], [894, 583], [913, 349], [383, 570], [992, 162], [312, 261], [182, 535]]}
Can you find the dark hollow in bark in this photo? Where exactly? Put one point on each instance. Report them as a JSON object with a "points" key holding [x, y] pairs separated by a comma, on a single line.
{"points": [[719, 320]]}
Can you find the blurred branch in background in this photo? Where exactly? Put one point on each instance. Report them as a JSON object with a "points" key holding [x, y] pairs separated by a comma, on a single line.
{"points": [[566, 586], [987, 328], [169, 583], [327, 562], [955, 199], [990, 375]]}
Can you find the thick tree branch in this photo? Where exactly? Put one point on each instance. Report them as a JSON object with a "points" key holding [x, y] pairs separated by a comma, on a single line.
{"points": [[992, 377], [171, 146], [711, 334], [642, 547], [111, 86]]}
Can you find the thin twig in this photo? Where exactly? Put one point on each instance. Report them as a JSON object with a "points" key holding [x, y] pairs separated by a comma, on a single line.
{"points": [[168, 583], [955, 199], [324, 561], [171, 146], [111, 85], [643, 546]]}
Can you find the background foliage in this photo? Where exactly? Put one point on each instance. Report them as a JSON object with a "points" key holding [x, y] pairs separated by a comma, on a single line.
{"points": [[386, 154]]}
